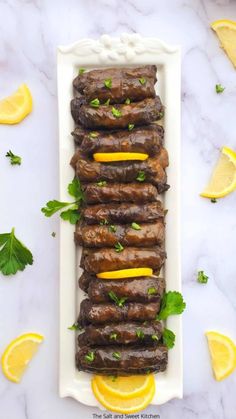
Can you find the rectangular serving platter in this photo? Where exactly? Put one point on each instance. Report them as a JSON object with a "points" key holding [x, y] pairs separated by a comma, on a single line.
{"points": [[128, 50]]}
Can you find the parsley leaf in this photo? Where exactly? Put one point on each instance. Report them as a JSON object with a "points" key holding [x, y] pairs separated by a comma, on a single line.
{"points": [[53, 206], [93, 134], [81, 71], [202, 277], [113, 336], [71, 215], [140, 333], [112, 228], [103, 222], [107, 103], [108, 83], [95, 103], [142, 80], [90, 356], [115, 112], [141, 176], [152, 291], [75, 326], [118, 301], [102, 183], [155, 337], [168, 338], [172, 303], [116, 355], [74, 189], [127, 101], [130, 127], [219, 88], [14, 256], [118, 247], [13, 158]]}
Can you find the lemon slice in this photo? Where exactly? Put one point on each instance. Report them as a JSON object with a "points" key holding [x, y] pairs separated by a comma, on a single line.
{"points": [[223, 354], [109, 157], [16, 107], [226, 32], [223, 179], [18, 354], [126, 387], [126, 273], [121, 404]]}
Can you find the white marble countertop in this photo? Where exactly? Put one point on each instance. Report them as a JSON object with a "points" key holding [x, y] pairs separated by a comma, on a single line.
{"points": [[30, 33]]}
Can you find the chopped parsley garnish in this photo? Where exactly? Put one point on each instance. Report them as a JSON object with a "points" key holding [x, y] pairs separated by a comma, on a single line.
{"points": [[202, 277], [14, 256], [142, 80], [13, 158], [90, 356], [141, 176], [140, 334], [219, 88], [112, 228], [172, 303], [135, 226], [128, 101], [103, 222], [113, 336], [168, 338], [118, 247], [102, 183], [75, 326], [116, 355], [72, 214], [107, 103], [155, 337], [93, 134], [81, 71], [115, 112], [118, 301], [152, 291], [95, 103], [108, 83], [130, 127]]}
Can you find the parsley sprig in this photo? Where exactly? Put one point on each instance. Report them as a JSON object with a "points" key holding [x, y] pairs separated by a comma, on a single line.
{"points": [[13, 158], [168, 338], [118, 301], [202, 277], [172, 303], [71, 214], [219, 88], [14, 255]]}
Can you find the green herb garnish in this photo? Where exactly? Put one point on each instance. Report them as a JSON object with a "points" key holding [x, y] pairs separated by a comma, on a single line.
{"points": [[202, 277], [53, 234], [14, 256], [152, 291], [81, 71], [142, 80], [118, 301], [127, 102], [141, 176], [102, 183], [93, 134], [155, 337], [172, 303], [108, 83], [103, 222], [168, 338], [72, 215], [116, 355], [112, 228], [213, 200], [118, 247], [75, 326], [130, 127], [95, 103], [116, 112], [135, 226], [140, 334], [219, 88], [13, 158], [90, 356], [113, 336], [107, 103]]}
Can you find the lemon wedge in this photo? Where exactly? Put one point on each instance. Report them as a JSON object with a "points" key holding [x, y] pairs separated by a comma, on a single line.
{"points": [[121, 404], [223, 179], [15, 108], [18, 354], [109, 157], [126, 387], [223, 354], [126, 273], [226, 32]]}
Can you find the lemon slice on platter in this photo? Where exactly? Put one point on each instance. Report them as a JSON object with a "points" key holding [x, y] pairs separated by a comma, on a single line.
{"points": [[126, 273], [110, 157], [14, 108], [223, 179], [226, 32], [223, 354], [121, 404], [18, 354], [126, 387]]}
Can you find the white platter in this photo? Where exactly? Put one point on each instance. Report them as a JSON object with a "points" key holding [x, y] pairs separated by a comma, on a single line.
{"points": [[128, 50]]}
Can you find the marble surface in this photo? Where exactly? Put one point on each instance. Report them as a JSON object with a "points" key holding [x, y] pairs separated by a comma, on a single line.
{"points": [[30, 32]]}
